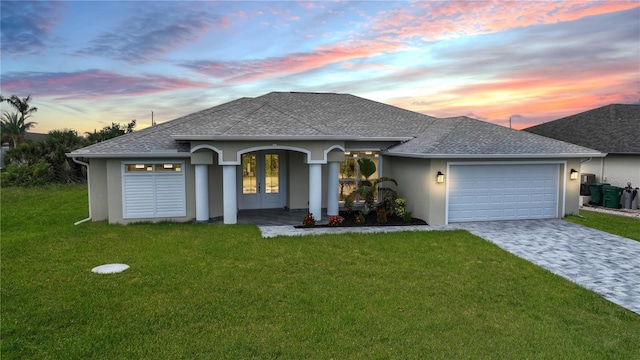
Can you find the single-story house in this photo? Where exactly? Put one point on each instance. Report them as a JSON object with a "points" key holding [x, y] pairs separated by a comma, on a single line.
{"points": [[613, 129], [298, 151]]}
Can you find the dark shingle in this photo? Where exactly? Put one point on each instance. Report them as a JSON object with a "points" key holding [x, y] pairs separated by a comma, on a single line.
{"points": [[613, 129], [285, 114]]}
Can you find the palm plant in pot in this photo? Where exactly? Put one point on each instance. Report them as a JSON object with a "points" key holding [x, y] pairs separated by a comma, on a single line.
{"points": [[368, 188]]}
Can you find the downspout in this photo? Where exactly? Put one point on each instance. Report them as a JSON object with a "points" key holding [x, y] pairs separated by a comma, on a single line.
{"points": [[88, 188]]}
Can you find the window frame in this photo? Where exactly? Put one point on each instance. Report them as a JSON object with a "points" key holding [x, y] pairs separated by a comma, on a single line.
{"points": [[375, 154], [157, 166]]}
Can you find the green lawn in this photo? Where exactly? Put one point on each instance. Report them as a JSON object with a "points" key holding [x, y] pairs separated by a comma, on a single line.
{"points": [[216, 291], [613, 224]]}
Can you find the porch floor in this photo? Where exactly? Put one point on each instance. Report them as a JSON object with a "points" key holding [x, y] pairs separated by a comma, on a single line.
{"points": [[271, 217]]}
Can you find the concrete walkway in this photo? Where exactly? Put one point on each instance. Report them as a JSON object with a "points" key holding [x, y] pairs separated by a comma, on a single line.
{"points": [[601, 262]]}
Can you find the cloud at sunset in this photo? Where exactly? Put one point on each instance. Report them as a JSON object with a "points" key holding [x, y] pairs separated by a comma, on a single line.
{"points": [[252, 70], [438, 20], [93, 84], [490, 60], [154, 32], [25, 27]]}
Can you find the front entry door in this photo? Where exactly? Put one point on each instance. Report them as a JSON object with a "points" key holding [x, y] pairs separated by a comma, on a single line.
{"points": [[261, 175]]}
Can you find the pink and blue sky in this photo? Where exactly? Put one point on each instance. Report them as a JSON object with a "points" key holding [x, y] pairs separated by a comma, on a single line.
{"points": [[89, 63]]}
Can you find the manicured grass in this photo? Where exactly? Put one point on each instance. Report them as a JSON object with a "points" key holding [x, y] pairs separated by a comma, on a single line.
{"points": [[614, 224], [215, 291]]}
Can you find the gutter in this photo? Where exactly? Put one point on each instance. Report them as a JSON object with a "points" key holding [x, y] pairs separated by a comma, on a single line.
{"points": [[490, 156], [149, 155], [288, 138], [88, 188]]}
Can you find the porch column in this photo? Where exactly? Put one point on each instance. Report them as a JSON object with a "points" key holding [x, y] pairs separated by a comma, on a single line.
{"points": [[229, 194], [202, 193], [332, 188], [315, 191]]}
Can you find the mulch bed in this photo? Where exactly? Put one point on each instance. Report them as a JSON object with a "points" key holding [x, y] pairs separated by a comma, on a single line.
{"points": [[370, 220]]}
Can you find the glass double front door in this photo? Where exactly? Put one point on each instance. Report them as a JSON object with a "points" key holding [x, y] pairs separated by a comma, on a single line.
{"points": [[261, 184]]}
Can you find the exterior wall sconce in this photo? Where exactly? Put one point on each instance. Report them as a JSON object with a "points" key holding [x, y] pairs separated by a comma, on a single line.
{"points": [[440, 177], [573, 175]]}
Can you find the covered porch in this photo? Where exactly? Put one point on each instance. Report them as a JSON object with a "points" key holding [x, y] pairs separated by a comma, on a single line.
{"points": [[235, 181]]}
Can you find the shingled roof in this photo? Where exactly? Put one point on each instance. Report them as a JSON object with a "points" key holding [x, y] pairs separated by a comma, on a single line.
{"points": [[614, 129], [326, 116]]}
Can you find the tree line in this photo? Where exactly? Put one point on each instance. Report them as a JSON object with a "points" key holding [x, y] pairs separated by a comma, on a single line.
{"points": [[34, 163]]}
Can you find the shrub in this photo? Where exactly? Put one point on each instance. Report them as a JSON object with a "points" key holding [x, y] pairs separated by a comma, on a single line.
{"points": [[26, 175], [407, 217], [381, 217], [389, 200], [309, 220], [400, 207], [360, 218], [348, 202], [335, 220]]}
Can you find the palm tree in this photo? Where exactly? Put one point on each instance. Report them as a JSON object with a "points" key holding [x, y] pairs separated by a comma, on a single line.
{"points": [[22, 105], [13, 127]]}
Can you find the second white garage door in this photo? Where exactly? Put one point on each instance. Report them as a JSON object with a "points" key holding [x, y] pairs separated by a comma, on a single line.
{"points": [[503, 192]]}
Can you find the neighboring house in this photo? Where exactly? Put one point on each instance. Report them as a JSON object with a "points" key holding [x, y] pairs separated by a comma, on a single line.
{"points": [[298, 151], [27, 136], [612, 129], [38, 137]]}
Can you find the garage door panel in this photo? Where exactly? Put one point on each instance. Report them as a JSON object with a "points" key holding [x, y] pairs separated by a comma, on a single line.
{"points": [[537, 198], [510, 199], [502, 192], [496, 200]]}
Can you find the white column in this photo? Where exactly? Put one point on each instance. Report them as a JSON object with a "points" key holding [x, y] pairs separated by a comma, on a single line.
{"points": [[229, 194], [315, 191], [202, 193], [332, 188]]}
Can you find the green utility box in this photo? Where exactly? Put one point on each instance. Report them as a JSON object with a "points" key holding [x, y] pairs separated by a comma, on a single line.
{"points": [[596, 193], [611, 196]]}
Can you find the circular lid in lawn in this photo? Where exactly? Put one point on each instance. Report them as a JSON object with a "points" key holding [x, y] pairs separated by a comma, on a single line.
{"points": [[110, 268]]}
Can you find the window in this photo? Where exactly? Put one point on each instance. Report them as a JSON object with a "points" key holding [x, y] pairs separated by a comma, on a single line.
{"points": [[153, 189], [164, 167], [350, 175]]}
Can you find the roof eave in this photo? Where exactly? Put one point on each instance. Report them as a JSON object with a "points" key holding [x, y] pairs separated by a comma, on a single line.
{"points": [[495, 156], [154, 154], [287, 138]]}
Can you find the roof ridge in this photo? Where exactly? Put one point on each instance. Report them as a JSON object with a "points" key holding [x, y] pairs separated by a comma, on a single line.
{"points": [[263, 104], [295, 116], [232, 125]]}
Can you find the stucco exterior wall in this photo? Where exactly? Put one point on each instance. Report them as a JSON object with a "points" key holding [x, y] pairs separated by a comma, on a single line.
{"points": [[621, 169], [298, 181], [231, 150], [216, 206], [412, 177], [114, 191], [614, 169], [593, 166], [98, 190], [426, 198], [572, 192]]}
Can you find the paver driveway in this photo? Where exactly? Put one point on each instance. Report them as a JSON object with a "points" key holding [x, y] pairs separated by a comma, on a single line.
{"points": [[604, 263]]}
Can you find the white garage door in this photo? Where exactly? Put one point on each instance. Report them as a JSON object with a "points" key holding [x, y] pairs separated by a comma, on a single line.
{"points": [[503, 192]]}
